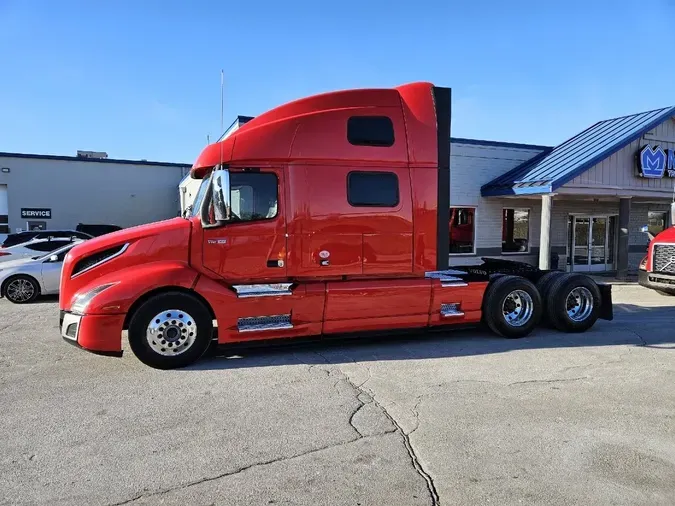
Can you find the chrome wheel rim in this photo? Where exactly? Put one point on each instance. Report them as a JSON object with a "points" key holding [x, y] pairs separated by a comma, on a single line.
{"points": [[579, 304], [517, 308], [20, 290], [171, 332]]}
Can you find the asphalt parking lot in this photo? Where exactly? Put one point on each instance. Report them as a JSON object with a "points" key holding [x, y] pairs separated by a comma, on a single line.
{"points": [[455, 418]]}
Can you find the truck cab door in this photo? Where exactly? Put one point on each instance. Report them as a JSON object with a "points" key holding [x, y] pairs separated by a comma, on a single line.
{"points": [[252, 245]]}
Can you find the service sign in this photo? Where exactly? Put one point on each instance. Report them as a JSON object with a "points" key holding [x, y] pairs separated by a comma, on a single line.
{"points": [[35, 212], [656, 162]]}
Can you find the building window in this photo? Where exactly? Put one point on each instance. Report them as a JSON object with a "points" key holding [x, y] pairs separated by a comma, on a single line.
{"points": [[372, 189], [462, 230], [370, 131], [515, 230], [657, 221]]}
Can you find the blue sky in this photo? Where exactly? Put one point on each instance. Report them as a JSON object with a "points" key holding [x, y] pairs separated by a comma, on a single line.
{"points": [[141, 79]]}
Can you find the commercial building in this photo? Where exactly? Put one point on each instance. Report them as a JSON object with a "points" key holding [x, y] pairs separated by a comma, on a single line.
{"points": [[578, 206], [586, 199], [46, 191]]}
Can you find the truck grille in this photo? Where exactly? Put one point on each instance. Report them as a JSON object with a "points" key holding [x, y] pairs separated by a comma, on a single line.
{"points": [[664, 258]]}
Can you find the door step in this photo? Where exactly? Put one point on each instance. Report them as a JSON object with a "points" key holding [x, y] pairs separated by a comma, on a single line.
{"points": [[448, 278], [263, 290], [450, 310], [259, 323]]}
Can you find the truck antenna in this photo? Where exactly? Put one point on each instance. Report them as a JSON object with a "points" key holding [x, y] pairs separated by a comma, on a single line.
{"points": [[222, 100], [208, 139]]}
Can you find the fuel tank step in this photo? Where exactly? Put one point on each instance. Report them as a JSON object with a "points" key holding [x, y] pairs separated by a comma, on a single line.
{"points": [[449, 310], [258, 323]]}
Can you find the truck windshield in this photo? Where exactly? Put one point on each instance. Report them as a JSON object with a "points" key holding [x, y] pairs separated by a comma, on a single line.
{"points": [[200, 196]]}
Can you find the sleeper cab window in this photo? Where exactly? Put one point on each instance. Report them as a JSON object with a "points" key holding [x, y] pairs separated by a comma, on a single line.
{"points": [[515, 230], [372, 189], [375, 131]]}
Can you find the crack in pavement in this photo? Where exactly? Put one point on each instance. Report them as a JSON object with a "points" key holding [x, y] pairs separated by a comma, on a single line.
{"points": [[643, 342], [561, 380], [361, 403], [232, 473], [416, 414], [351, 418], [431, 487]]}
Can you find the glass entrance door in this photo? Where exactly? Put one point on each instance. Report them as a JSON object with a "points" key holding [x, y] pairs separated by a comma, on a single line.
{"points": [[598, 247], [582, 227], [593, 243]]}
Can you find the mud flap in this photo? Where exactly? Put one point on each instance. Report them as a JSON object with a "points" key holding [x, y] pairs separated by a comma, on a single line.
{"points": [[607, 309]]}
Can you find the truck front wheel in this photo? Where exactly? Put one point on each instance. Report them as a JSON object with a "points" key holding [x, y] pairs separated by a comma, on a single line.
{"points": [[512, 306], [170, 330]]}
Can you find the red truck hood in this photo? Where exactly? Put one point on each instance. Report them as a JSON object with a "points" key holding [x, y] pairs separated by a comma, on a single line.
{"points": [[132, 234], [668, 235], [164, 241]]}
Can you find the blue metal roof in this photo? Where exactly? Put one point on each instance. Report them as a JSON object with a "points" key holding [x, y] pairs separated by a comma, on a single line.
{"points": [[553, 168]]}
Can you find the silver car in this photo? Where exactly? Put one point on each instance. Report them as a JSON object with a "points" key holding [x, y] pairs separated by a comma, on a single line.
{"points": [[23, 280]]}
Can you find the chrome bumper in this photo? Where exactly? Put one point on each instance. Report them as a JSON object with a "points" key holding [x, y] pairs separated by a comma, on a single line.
{"points": [[657, 281]]}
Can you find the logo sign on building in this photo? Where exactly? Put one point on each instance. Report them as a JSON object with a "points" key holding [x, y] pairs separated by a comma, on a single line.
{"points": [[34, 212], [656, 162]]}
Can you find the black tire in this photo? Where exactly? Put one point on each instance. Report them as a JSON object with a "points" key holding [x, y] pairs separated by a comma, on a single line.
{"points": [[557, 303], [9, 294], [190, 313], [544, 284], [495, 298]]}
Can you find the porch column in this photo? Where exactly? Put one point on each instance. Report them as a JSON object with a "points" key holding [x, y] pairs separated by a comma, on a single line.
{"points": [[622, 243], [545, 234]]}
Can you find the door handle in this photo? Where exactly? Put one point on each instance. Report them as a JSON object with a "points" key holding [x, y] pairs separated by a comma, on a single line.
{"points": [[275, 263]]}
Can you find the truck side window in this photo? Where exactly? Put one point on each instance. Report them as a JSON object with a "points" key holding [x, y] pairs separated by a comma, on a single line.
{"points": [[372, 189], [254, 195], [370, 131]]}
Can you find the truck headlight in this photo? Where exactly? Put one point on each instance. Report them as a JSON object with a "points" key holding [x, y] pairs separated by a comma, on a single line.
{"points": [[82, 300], [643, 264]]}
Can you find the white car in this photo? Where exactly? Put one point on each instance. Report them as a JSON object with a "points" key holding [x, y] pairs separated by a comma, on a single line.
{"points": [[22, 280], [32, 248]]}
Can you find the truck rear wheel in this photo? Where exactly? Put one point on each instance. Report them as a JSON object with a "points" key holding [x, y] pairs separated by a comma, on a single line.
{"points": [[573, 303], [170, 330], [512, 306], [544, 284]]}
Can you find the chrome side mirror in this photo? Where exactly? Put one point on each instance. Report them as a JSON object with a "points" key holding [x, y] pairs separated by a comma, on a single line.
{"points": [[220, 188]]}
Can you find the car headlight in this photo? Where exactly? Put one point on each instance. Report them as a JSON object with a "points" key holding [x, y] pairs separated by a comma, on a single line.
{"points": [[82, 300]]}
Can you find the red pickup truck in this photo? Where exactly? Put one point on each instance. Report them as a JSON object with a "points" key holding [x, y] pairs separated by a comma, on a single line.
{"points": [[327, 215]]}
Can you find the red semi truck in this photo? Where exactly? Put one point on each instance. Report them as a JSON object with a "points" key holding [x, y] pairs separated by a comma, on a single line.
{"points": [[327, 215], [657, 269]]}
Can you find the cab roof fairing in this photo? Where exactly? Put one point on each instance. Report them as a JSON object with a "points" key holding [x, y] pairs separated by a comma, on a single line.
{"points": [[277, 128]]}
